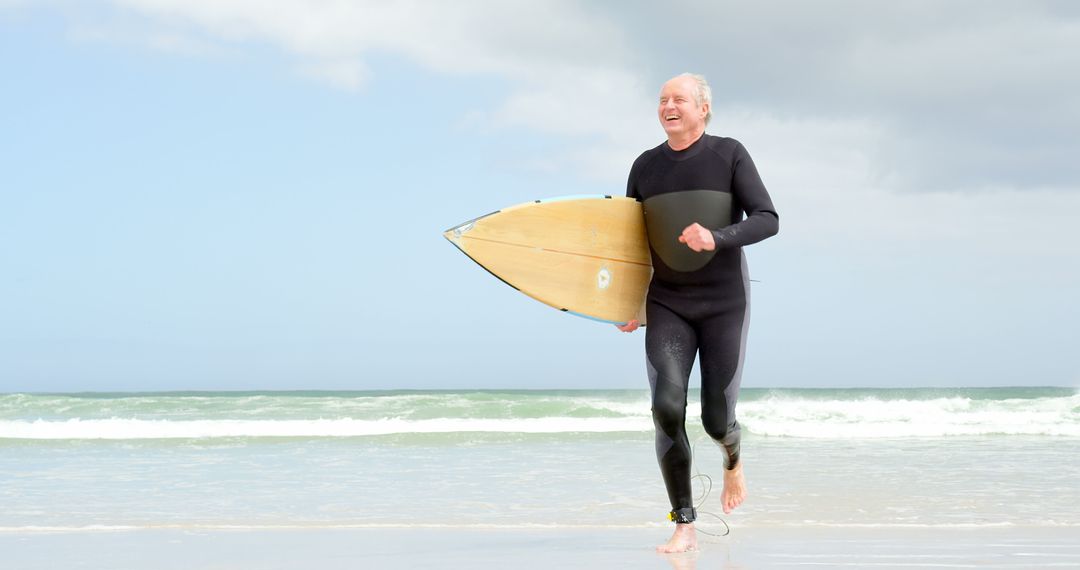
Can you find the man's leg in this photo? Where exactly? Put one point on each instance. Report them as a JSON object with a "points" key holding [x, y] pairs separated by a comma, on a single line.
{"points": [[722, 349], [670, 346], [723, 345]]}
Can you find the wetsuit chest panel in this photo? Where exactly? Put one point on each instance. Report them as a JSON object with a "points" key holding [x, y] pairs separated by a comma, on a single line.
{"points": [[667, 215]]}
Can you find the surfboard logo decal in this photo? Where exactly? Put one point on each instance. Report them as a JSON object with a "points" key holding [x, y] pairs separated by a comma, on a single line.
{"points": [[603, 278]]}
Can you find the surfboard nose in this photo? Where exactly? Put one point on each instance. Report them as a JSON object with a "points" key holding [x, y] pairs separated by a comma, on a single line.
{"points": [[454, 234]]}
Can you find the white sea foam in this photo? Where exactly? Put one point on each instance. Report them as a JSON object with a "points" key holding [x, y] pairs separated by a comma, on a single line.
{"points": [[835, 415], [118, 428], [62, 529], [875, 418]]}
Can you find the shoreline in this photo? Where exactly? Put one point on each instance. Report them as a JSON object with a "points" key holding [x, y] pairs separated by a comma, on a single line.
{"points": [[523, 549]]}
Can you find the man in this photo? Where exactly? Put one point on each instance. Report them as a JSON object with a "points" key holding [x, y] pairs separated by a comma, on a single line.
{"points": [[695, 189]]}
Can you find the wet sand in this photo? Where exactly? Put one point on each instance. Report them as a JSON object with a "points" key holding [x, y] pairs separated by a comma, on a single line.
{"points": [[521, 549]]}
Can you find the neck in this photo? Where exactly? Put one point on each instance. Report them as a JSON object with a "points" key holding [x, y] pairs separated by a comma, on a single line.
{"points": [[683, 142]]}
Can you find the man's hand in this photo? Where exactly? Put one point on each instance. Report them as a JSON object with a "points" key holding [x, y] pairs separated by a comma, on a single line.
{"points": [[697, 238], [630, 326]]}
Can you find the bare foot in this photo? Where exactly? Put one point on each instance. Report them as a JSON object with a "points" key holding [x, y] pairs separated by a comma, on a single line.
{"points": [[684, 540], [734, 488]]}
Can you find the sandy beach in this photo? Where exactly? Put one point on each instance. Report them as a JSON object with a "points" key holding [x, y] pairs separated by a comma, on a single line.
{"points": [[586, 547]]}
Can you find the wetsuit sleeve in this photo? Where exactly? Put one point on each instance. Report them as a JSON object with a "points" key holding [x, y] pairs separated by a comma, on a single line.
{"points": [[761, 221]]}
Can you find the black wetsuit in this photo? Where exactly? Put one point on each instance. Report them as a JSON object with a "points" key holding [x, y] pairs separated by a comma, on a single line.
{"points": [[698, 303]]}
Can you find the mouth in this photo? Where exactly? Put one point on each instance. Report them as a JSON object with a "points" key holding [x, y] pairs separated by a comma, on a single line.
{"points": [[670, 118]]}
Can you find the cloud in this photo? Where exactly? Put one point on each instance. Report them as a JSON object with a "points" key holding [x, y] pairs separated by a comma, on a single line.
{"points": [[569, 70], [344, 74], [835, 200], [845, 55], [182, 45], [517, 39], [865, 119], [963, 96], [966, 96], [975, 96]]}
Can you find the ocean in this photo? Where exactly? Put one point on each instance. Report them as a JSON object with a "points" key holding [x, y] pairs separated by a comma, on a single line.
{"points": [[858, 458]]}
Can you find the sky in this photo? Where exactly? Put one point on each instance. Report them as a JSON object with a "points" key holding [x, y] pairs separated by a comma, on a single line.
{"points": [[235, 195]]}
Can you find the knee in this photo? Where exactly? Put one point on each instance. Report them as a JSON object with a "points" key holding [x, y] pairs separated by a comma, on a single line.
{"points": [[728, 436], [669, 416], [720, 428]]}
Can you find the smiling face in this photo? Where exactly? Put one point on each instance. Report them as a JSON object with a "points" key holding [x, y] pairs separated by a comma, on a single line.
{"points": [[680, 114]]}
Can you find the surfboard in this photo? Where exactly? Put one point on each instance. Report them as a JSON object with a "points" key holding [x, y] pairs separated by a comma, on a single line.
{"points": [[584, 255]]}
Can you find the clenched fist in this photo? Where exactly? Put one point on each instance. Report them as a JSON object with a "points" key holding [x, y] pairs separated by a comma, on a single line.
{"points": [[697, 238]]}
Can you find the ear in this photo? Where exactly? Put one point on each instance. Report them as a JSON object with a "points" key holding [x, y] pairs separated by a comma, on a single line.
{"points": [[705, 110]]}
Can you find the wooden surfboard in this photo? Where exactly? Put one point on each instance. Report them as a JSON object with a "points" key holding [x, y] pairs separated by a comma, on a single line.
{"points": [[585, 255]]}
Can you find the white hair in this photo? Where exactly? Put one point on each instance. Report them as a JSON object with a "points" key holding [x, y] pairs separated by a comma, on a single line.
{"points": [[702, 92]]}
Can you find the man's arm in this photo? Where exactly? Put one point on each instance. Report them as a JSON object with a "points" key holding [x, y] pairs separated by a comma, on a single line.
{"points": [[761, 221]]}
